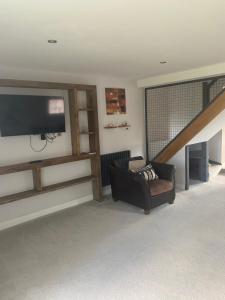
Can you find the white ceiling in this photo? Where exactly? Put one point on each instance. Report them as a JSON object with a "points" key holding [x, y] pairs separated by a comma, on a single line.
{"points": [[117, 37]]}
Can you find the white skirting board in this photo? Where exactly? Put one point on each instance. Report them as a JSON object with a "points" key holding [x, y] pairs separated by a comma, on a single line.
{"points": [[44, 212], [50, 210]]}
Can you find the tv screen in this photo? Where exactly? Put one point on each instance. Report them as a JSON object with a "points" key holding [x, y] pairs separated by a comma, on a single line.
{"points": [[26, 115]]}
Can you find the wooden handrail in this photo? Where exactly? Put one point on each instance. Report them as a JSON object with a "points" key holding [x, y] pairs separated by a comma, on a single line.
{"points": [[193, 128]]}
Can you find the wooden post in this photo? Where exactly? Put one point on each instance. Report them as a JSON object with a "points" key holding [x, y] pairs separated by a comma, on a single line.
{"points": [[94, 144], [74, 122], [37, 179]]}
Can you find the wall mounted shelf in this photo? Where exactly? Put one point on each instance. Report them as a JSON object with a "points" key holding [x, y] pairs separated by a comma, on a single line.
{"points": [[85, 109], [117, 126], [123, 126], [43, 163], [110, 127], [45, 189]]}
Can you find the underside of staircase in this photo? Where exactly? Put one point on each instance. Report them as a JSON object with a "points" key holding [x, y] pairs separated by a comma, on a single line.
{"points": [[211, 111]]}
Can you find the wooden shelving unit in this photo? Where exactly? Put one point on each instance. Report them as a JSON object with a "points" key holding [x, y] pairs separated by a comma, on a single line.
{"points": [[92, 133]]}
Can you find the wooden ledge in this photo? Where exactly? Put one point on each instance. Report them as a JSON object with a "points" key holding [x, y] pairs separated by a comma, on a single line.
{"points": [[45, 189], [43, 163]]}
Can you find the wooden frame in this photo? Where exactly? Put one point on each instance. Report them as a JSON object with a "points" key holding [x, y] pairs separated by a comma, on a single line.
{"points": [[93, 133]]}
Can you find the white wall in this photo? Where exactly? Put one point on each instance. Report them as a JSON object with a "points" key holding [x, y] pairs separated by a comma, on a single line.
{"points": [[16, 149], [223, 147], [215, 147], [178, 160]]}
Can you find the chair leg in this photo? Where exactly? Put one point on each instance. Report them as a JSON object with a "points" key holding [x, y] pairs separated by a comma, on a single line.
{"points": [[171, 201], [147, 211]]}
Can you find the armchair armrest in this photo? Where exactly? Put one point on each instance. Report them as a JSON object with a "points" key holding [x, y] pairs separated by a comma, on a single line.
{"points": [[164, 171], [129, 187]]}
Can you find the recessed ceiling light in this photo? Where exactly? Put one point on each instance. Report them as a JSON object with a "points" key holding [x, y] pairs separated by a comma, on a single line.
{"points": [[163, 62], [52, 41]]}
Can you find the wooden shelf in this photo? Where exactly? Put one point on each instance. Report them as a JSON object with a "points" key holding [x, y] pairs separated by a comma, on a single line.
{"points": [[87, 132], [45, 189], [123, 126], [110, 127], [86, 109], [90, 154], [43, 163]]}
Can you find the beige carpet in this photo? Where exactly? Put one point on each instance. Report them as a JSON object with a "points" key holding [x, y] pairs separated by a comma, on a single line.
{"points": [[113, 251]]}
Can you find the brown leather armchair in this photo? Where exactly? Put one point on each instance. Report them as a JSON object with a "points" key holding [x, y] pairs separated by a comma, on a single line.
{"points": [[134, 189]]}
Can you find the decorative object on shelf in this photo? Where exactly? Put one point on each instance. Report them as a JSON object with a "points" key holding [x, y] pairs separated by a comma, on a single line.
{"points": [[122, 125], [115, 101], [110, 126]]}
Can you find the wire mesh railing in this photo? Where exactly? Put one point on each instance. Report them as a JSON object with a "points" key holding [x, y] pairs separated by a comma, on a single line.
{"points": [[170, 109]]}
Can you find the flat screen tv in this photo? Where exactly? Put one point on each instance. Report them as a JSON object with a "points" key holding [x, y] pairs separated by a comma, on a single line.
{"points": [[29, 114]]}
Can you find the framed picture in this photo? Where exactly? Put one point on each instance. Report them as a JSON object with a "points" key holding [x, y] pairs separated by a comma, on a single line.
{"points": [[115, 101]]}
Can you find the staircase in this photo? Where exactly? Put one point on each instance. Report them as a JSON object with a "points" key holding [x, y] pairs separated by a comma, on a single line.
{"points": [[211, 111]]}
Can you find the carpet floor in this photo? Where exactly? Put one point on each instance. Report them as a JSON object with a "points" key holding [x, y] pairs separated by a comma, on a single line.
{"points": [[112, 251]]}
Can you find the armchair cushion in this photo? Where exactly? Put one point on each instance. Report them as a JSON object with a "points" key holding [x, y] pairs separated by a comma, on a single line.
{"points": [[147, 172], [164, 171], [160, 186]]}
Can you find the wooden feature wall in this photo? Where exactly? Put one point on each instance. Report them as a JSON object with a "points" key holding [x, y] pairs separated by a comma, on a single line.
{"points": [[93, 132]]}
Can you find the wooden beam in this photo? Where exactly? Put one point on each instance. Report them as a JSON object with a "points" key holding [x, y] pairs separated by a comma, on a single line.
{"points": [[193, 128], [37, 179], [43, 163], [94, 144], [44, 85], [46, 189], [74, 122]]}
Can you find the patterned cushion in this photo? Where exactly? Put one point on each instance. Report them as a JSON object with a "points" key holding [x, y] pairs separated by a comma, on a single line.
{"points": [[148, 173]]}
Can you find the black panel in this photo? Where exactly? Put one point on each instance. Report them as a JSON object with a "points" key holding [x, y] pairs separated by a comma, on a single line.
{"points": [[107, 159]]}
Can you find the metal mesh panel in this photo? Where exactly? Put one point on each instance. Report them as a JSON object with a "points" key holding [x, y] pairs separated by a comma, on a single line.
{"points": [[169, 110], [216, 88]]}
